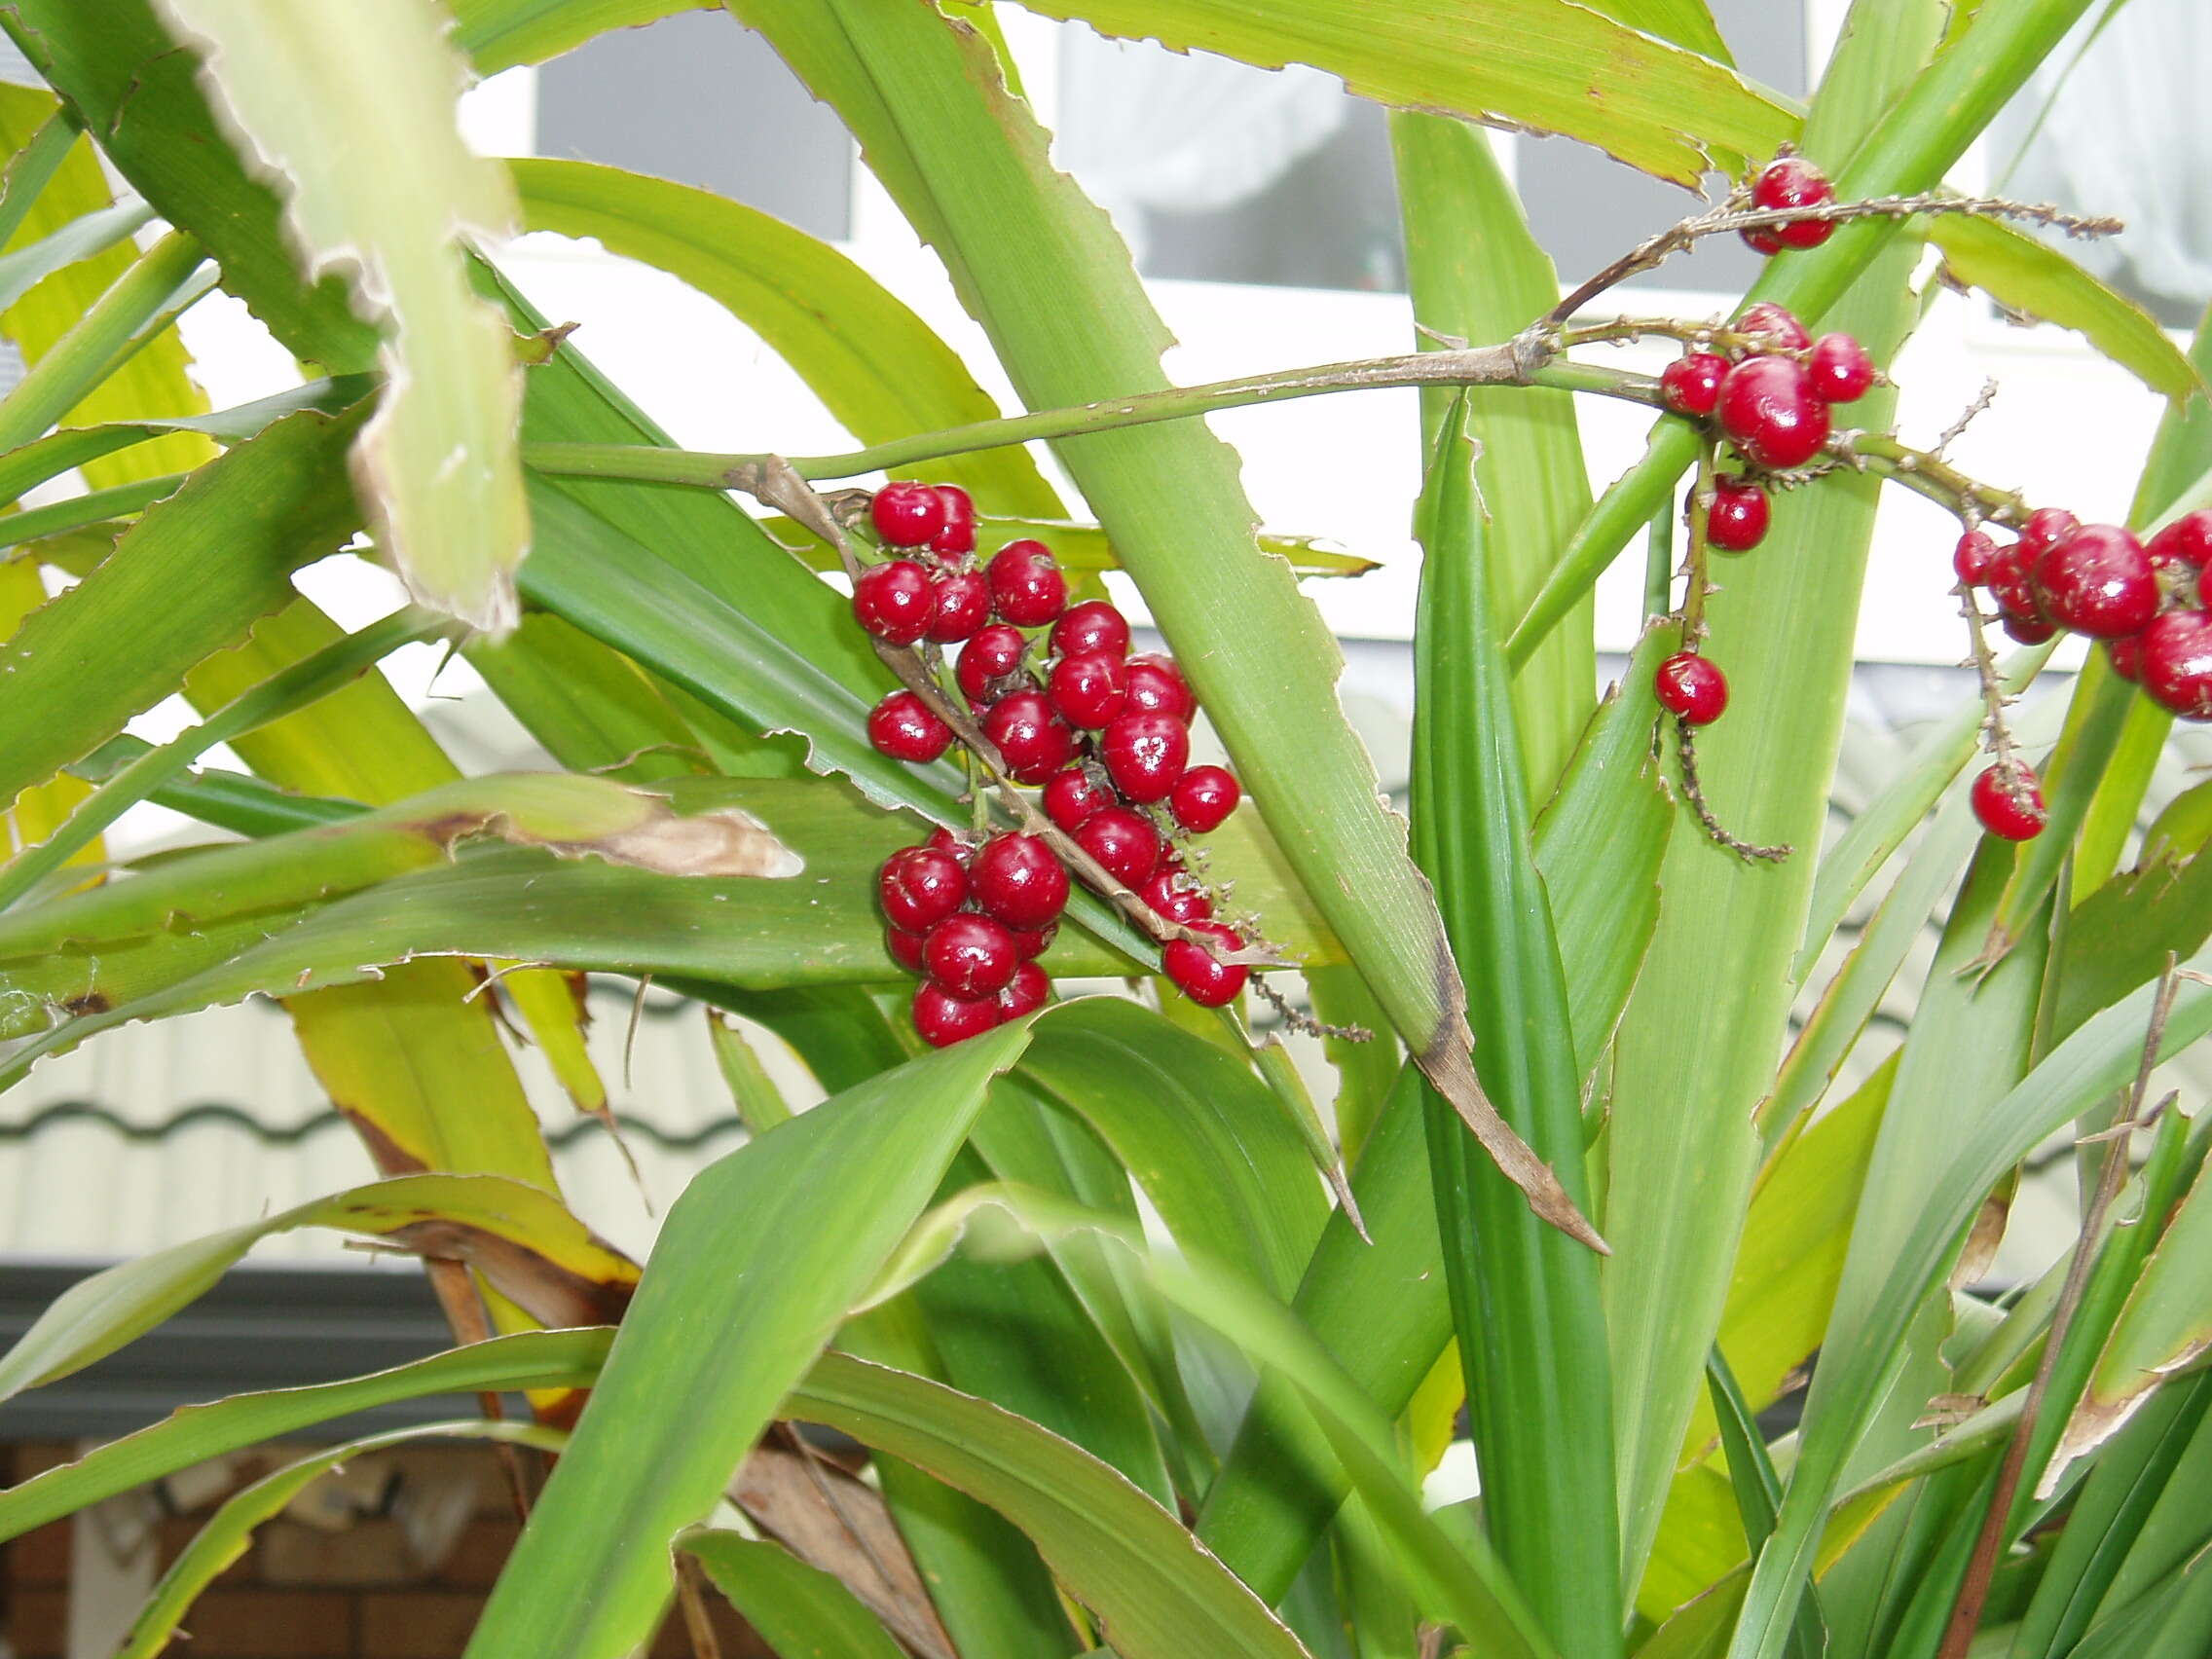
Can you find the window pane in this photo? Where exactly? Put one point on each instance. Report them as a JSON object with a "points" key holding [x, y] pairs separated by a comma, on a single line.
{"points": [[699, 99]]}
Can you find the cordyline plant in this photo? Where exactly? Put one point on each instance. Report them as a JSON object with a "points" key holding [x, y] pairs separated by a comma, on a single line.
{"points": [[1583, 1180]]}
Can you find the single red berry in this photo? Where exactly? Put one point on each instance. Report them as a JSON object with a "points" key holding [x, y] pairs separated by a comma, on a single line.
{"points": [[2015, 813], [906, 514], [1691, 385], [1092, 626], [1019, 880], [1688, 686], [1166, 895], [2127, 656], [1761, 240], [2099, 582], [943, 841], [1202, 975], [895, 601], [902, 727], [1840, 369], [1157, 686], [1204, 798], [1029, 943], [970, 955], [1024, 993], [2186, 541], [1773, 328], [993, 653], [1974, 558], [2028, 630], [906, 948], [2012, 583], [1792, 182], [921, 886], [1737, 520], [963, 605], [2177, 662], [1145, 755], [959, 532], [1767, 407], [1124, 842], [944, 1020], [1090, 689], [1072, 796], [1035, 741], [2045, 528], [1026, 584]]}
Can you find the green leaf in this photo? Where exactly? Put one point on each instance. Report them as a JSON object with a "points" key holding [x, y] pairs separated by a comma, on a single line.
{"points": [[800, 1610], [2118, 937], [95, 232], [2022, 272], [438, 469], [754, 1268], [498, 35], [1544, 64]]}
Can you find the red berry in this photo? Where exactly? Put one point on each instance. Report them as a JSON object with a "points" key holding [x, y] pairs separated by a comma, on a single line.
{"points": [[906, 948], [944, 1020], [895, 601], [2188, 540], [1792, 182], [902, 727], [1035, 742], [1691, 385], [1145, 755], [1019, 880], [1688, 686], [1773, 328], [1026, 584], [1072, 796], [1088, 689], [2177, 662], [1024, 993], [1092, 626], [1841, 371], [2099, 582], [2013, 585], [1974, 558], [1768, 408], [963, 605], [1124, 842], [1737, 520], [2014, 814], [970, 955], [2029, 630], [907, 515], [959, 532], [1761, 240], [993, 653], [1029, 943], [1204, 798], [2046, 528], [2127, 656], [1157, 686], [1198, 973], [1166, 895], [921, 886], [943, 841]]}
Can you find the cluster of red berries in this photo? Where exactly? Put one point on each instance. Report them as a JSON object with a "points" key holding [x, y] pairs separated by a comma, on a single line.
{"points": [[1106, 734]]}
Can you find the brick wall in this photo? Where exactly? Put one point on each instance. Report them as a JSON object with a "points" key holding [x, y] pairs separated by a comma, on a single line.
{"points": [[303, 1590]]}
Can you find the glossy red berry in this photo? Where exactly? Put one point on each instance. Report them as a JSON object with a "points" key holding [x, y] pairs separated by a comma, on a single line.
{"points": [[906, 514], [1166, 895], [1974, 558], [1204, 798], [895, 601], [2028, 630], [2177, 662], [1026, 584], [1019, 880], [1767, 407], [1124, 842], [921, 886], [959, 532], [1773, 328], [944, 1020], [1029, 943], [2186, 541], [1791, 182], [1090, 689], [1737, 520], [906, 948], [1157, 686], [2127, 656], [2099, 582], [993, 653], [1092, 626], [2015, 813], [1688, 686], [1072, 796], [1202, 975], [1024, 993], [1840, 369], [1145, 755], [970, 955], [902, 727], [943, 841], [963, 605], [2045, 528], [1035, 742], [2012, 583], [1691, 385]]}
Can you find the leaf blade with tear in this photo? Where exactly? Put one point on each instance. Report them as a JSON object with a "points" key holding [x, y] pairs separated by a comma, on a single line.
{"points": [[797, 1609]]}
